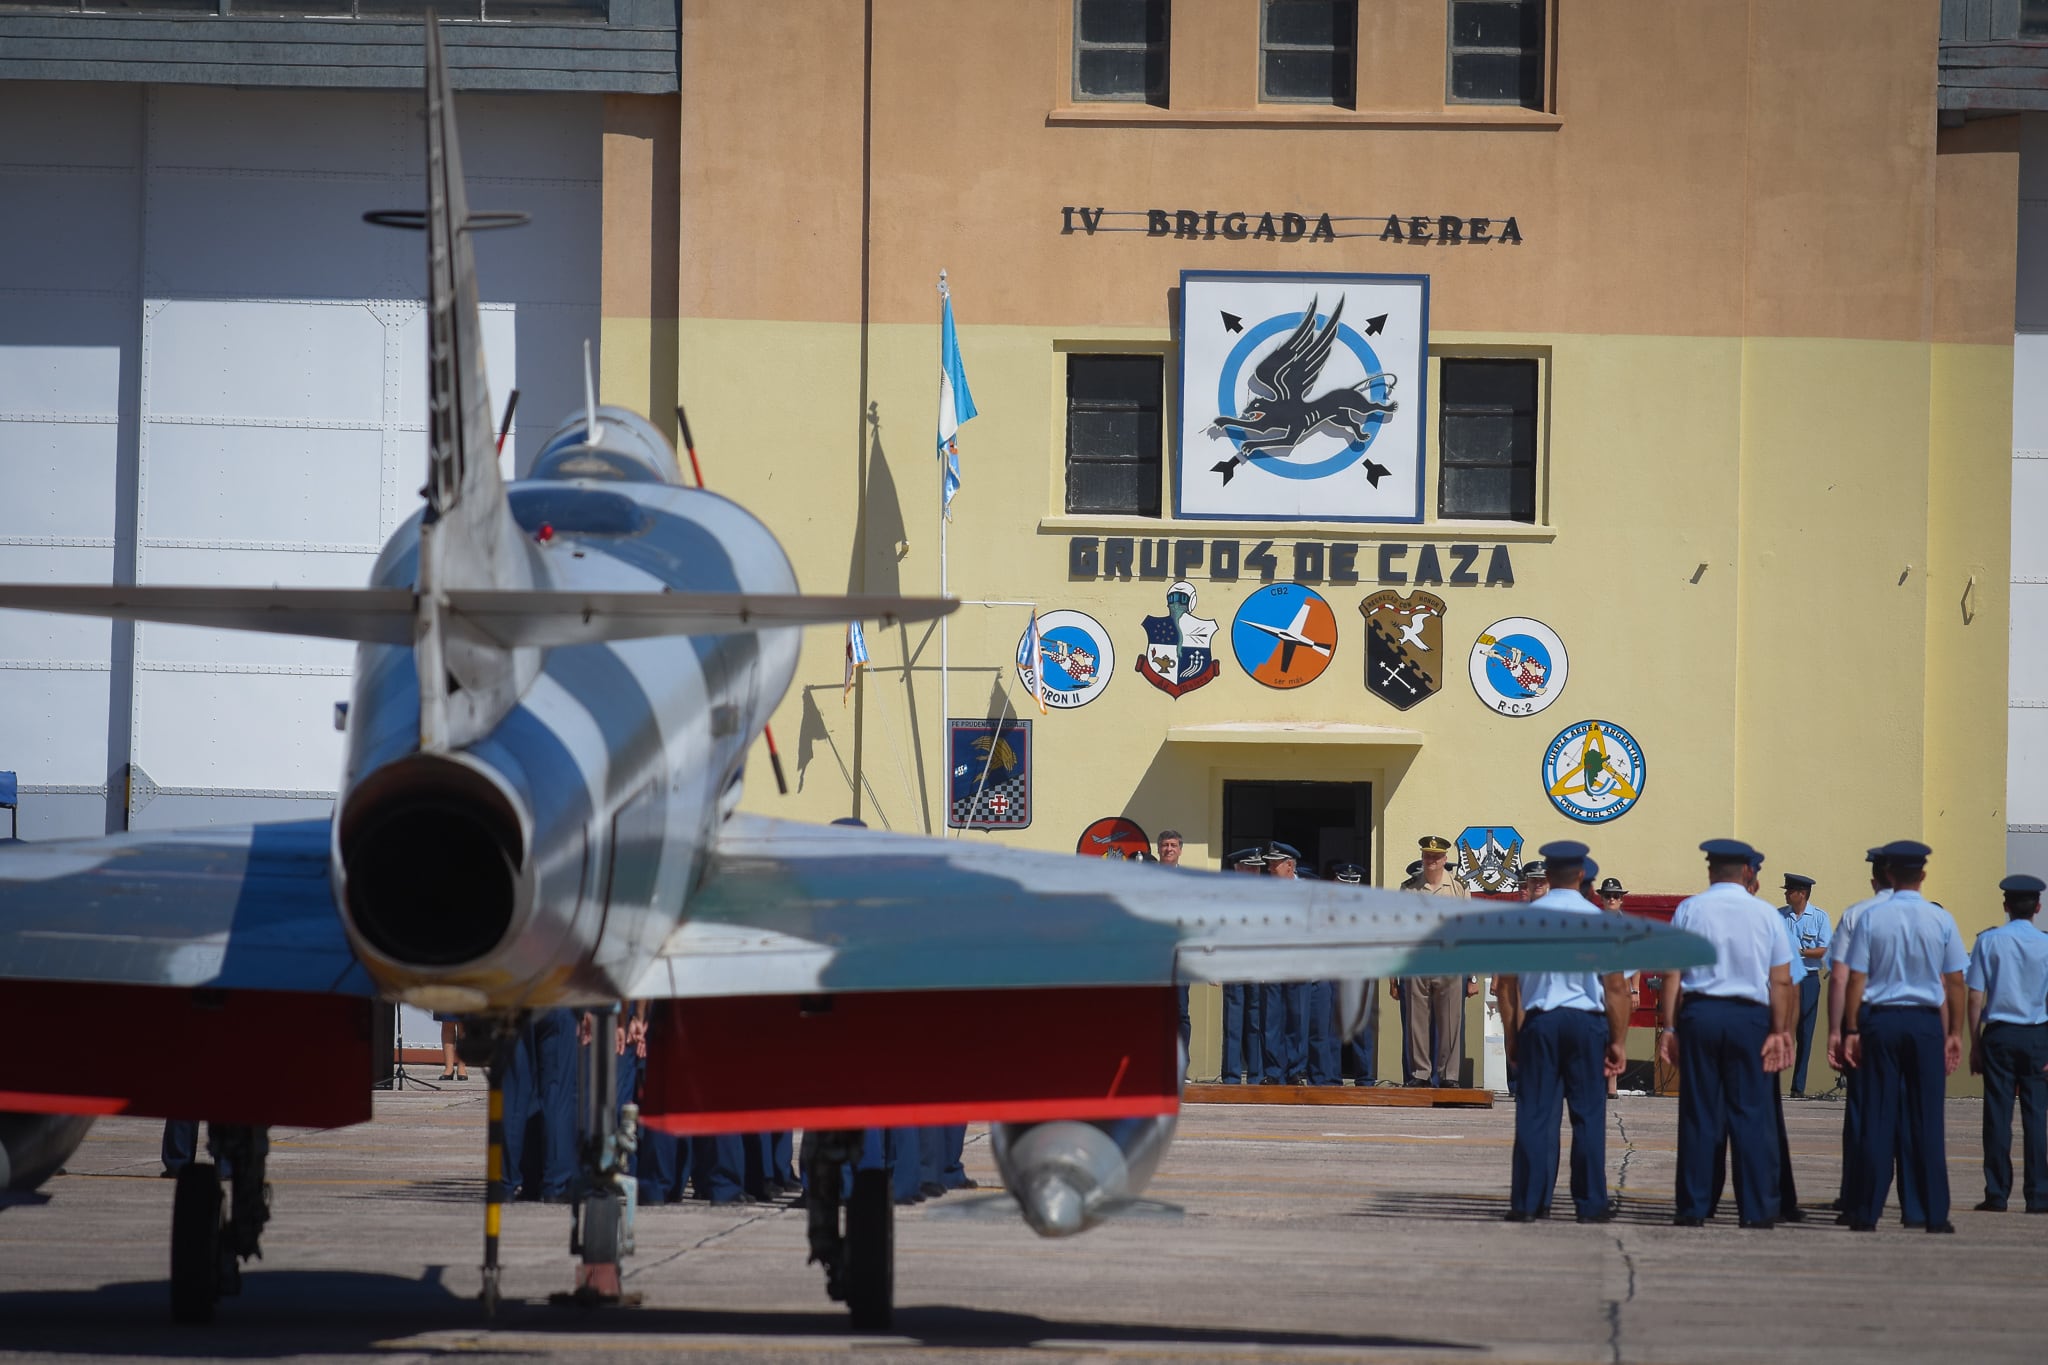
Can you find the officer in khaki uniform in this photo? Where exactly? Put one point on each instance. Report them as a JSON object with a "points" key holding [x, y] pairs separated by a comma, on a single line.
{"points": [[1433, 1007]]}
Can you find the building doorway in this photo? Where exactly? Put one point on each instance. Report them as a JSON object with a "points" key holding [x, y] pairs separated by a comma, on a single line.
{"points": [[1330, 822]]}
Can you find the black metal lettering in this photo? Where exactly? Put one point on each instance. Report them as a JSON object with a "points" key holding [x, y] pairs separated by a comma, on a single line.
{"points": [[1265, 228], [1324, 232], [1066, 220], [1223, 559], [1091, 219], [1152, 559], [1292, 225], [1510, 235], [1479, 229], [1186, 223], [1116, 557], [1418, 230], [1187, 555], [1263, 559], [1499, 570], [1233, 226], [1308, 561], [1450, 230], [1427, 570], [1156, 223], [1209, 226], [1466, 556], [1343, 563], [1392, 231], [1083, 559], [1388, 554]]}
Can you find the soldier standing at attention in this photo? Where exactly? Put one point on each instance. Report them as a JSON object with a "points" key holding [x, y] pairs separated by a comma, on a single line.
{"points": [[1433, 1007], [1242, 1054], [1852, 1109], [1286, 1004], [1169, 856], [1570, 1034], [1905, 1013], [1613, 895], [1729, 1027], [2008, 981], [1360, 1051], [1810, 936]]}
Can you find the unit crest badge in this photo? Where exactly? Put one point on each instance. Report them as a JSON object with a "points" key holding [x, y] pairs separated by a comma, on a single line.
{"points": [[1073, 661], [1490, 858], [1113, 837], [1179, 655], [1519, 666], [989, 774], [1404, 647], [1284, 635], [1594, 771]]}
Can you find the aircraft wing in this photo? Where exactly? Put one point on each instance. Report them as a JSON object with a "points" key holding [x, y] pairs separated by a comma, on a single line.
{"points": [[792, 909], [233, 907]]}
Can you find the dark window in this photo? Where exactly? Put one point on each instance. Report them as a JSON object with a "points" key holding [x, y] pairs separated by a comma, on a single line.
{"points": [[1497, 52], [1486, 440], [1308, 52], [2033, 19], [1113, 433], [1120, 50]]}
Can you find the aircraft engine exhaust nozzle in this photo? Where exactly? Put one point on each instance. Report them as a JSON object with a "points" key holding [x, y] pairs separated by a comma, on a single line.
{"points": [[1069, 1175], [431, 851]]}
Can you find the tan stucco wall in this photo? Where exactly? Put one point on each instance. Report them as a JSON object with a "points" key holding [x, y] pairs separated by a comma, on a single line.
{"points": [[1774, 306]]}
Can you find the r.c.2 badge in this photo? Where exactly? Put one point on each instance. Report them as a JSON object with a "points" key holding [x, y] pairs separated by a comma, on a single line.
{"points": [[1519, 666], [1594, 771]]}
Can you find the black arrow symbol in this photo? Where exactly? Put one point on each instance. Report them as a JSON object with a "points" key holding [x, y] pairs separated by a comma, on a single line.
{"points": [[1233, 323], [1373, 325], [1375, 472]]}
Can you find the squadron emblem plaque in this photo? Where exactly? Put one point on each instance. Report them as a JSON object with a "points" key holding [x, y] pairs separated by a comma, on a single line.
{"points": [[1180, 651], [1404, 647], [1113, 836], [1519, 666], [989, 774], [1074, 663], [1594, 771], [1284, 635], [1490, 858]]}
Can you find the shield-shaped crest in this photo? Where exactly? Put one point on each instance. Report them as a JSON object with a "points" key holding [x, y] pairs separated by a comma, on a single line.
{"points": [[1490, 858], [1179, 646], [1404, 646]]}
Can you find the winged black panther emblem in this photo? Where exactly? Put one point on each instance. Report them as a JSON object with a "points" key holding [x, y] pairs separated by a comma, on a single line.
{"points": [[1277, 417]]}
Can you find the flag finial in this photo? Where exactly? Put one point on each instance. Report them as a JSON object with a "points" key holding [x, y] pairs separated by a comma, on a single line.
{"points": [[944, 292]]}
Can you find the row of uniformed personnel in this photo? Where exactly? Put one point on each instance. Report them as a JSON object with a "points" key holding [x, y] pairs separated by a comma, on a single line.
{"points": [[1286, 1034]]}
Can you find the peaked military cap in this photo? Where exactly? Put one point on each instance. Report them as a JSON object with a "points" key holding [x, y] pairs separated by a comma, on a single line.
{"points": [[1415, 868], [1613, 887], [1350, 873], [2023, 884], [1275, 851], [1588, 870], [1305, 874], [1795, 882], [1248, 857], [1756, 861], [853, 820], [1529, 872], [1433, 843], [1564, 851], [1906, 853], [1874, 855], [1727, 850]]}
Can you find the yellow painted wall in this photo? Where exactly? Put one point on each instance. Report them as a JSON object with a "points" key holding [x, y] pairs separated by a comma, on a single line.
{"points": [[1776, 333]]}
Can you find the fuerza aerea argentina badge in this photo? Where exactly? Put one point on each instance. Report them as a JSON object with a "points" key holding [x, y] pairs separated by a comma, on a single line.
{"points": [[1594, 771], [1519, 666], [1075, 659]]}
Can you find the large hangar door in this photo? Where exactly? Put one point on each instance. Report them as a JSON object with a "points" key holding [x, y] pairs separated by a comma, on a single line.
{"points": [[281, 410]]}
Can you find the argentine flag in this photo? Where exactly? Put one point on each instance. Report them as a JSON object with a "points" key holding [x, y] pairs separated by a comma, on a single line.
{"points": [[956, 404], [856, 656]]}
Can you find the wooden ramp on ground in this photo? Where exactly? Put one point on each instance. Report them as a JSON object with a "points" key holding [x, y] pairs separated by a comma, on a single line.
{"points": [[1385, 1096]]}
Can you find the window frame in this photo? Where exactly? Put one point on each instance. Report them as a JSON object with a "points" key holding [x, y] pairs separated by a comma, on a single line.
{"points": [[1541, 101], [1077, 45], [1065, 354], [1350, 98], [1540, 358]]}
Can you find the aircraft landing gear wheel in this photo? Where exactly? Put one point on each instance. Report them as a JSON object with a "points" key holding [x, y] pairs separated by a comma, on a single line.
{"points": [[870, 1276], [196, 1243]]}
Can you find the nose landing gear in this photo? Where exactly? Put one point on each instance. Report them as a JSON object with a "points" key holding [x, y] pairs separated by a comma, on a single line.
{"points": [[211, 1235], [860, 1256]]}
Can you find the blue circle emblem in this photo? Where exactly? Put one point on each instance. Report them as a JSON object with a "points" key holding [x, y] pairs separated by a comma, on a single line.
{"points": [[1594, 772], [1511, 684], [1272, 463]]}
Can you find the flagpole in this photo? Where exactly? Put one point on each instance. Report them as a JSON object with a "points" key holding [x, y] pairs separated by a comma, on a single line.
{"points": [[945, 631]]}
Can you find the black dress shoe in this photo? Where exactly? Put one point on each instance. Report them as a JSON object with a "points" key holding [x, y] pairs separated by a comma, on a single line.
{"points": [[931, 1189], [1794, 1215], [1941, 1227], [1843, 1220], [1687, 1221], [1988, 1207], [1517, 1216], [737, 1201], [1605, 1215], [968, 1182], [1862, 1227], [1756, 1224], [1834, 1204], [2042, 1209], [1912, 1227]]}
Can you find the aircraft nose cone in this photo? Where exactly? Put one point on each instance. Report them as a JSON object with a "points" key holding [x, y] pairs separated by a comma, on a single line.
{"points": [[1058, 1206]]}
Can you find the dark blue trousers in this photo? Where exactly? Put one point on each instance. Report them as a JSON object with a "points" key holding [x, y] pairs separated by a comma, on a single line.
{"points": [[1325, 1062], [718, 1166], [1912, 1206], [1903, 1079], [661, 1163], [540, 1105], [1235, 1035], [1802, 1033], [1357, 1055], [1284, 1027], [1724, 1092], [902, 1154], [2013, 1057], [952, 1156], [1560, 1053]]}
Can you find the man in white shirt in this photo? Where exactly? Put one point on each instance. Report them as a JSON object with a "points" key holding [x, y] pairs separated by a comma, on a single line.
{"points": [[1565, 1031], [1729, 1027]]}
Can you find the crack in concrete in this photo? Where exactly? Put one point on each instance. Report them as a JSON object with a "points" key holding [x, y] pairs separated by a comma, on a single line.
{"points": [[703, 1242], [1614, 1306]]}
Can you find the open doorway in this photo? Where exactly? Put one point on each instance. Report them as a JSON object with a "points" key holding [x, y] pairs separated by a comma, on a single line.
{"points": [[1329, 822]]}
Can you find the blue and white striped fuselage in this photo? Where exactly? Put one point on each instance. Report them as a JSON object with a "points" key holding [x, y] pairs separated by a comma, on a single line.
{"points": [[616, 766]]}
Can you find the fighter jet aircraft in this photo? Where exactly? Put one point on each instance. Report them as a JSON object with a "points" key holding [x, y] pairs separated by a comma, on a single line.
{"points": [[1293, 637], [556, 686]]}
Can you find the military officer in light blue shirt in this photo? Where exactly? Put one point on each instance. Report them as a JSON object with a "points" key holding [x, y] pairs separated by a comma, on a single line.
{"points": [[1728, 1026], [1810, 935], [1905, 1012], [1910, 1204], [2008, 981], [1566, 1032]]}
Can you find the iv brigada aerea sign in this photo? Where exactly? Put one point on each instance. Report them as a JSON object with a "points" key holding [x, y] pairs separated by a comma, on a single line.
{"points": [[1203, 225]]}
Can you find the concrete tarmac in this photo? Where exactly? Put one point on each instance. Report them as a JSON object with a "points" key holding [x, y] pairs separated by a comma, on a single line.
{"points": [[1308, 1234]]}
